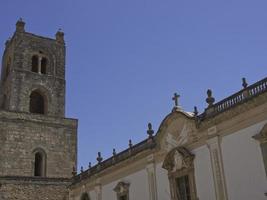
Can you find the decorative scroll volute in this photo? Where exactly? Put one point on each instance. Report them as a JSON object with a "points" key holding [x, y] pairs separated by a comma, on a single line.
{"points": [[262, 136], [178, 159]]}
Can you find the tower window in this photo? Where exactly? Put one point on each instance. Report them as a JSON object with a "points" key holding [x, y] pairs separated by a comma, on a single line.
{"points": [[37, 103], [43, 65], [39, 163], [35, 64]]}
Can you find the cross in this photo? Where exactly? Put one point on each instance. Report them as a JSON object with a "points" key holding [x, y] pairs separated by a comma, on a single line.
{"points": [[175, 99]]}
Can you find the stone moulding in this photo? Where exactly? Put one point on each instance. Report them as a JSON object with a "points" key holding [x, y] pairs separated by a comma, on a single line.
{"points": [[36, 180], [147, 144], [22, 116]]}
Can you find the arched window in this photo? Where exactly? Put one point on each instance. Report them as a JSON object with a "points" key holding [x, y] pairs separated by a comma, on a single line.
{"points": [[35, 63], [43, 65], [39, 163], [37, 103], [85, 196]]}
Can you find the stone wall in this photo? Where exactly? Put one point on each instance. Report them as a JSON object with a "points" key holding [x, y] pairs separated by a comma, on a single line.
{"points": [[33, 189], [22, 133]]}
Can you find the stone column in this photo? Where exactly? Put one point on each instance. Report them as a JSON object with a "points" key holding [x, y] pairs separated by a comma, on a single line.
{"points": [[39, 64], [217, 168], [151, 175]]}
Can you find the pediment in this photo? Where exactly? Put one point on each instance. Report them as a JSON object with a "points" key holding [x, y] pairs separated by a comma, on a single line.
{"points": [[176, 130]]}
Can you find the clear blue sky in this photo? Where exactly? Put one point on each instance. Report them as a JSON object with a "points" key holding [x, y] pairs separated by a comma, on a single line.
{"points": [[126, 58]]}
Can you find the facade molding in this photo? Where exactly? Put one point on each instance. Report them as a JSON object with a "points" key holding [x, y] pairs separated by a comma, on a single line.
{"points": [[217, 168]]}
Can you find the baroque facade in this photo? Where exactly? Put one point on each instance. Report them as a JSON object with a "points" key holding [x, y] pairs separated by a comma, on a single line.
{"points": [[220, 154]]}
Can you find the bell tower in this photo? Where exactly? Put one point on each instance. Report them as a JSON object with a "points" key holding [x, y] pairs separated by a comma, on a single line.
{"points": [[33, 73], [38, 144]]}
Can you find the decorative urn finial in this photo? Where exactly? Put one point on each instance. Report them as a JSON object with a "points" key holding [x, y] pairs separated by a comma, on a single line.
{"points": [[130, 144], [210, 99], [150, 131], [99, 157], [195, 111], [244, 83], [114, 152]]}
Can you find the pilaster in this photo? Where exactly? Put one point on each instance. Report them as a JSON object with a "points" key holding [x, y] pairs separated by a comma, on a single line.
{"points": [[151, 175], [217, 168]]}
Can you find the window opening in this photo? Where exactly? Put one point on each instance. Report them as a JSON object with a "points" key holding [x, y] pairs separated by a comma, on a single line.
{"points": [[37, 103], [35, 64]]}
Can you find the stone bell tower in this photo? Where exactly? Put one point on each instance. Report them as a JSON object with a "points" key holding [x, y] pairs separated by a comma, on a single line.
{"points": [[34, 69], [37, 143]]}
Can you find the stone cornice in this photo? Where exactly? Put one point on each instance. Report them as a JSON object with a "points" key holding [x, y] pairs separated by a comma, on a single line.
{"points": [[10, 116], [250, 97], [34, 180], [132, 152]]}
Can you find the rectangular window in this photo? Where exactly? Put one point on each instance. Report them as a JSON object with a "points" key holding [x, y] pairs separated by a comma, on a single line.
{"points": [[183, 188]]}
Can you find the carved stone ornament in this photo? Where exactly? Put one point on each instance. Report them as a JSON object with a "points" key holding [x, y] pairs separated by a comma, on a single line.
{"points": [[178, 159], [262, 135], [122, 188]]}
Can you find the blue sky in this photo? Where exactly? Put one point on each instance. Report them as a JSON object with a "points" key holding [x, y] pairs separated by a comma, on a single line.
{"points": [[125, 59]]}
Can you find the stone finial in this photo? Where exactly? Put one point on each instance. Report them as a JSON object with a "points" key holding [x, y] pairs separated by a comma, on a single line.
{"points": [[210, 100], [60, 36], [99, 157], [195, 111], [74, 172], [150, 131], [114, 152], [244, 83], [81, 169], [130, 144], [89, 165], [20, 25]]}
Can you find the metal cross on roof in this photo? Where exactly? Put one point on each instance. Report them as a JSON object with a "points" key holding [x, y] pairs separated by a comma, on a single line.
{"points": [[175, 98]]}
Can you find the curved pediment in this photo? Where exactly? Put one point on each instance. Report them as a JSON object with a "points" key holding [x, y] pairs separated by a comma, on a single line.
{"points": [[176, 130]]}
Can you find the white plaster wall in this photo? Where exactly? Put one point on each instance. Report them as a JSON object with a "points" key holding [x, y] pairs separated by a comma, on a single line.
{"points": [[203, 174], [139, 189], [243, 165], [163, 187]]}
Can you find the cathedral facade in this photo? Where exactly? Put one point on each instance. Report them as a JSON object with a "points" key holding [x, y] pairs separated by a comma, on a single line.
{"points": [[220, 154]]}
